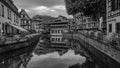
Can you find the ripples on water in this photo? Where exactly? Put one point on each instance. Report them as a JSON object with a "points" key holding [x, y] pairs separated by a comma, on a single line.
{"points": [[54, 60]]}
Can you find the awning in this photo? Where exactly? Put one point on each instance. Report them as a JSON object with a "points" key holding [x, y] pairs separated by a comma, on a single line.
{"points": [[18, 27]]}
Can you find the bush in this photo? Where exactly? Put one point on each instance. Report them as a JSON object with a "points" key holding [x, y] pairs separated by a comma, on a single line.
{"points": [[91, 33], [17, 37], [99, 35], [111, 36], [2, 39]]}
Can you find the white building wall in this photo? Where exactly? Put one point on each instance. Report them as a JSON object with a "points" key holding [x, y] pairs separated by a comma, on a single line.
{"points": [[113, 21], [5, 18]]}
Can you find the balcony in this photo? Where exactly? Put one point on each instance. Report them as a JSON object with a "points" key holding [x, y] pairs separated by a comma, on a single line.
{"points": [[113, 14]]}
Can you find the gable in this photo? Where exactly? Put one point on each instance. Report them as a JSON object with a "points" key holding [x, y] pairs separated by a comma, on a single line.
{"points": [[23, 12]]}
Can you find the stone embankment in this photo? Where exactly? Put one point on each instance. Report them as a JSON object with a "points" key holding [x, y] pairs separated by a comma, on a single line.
{"points": [[106, 53]]}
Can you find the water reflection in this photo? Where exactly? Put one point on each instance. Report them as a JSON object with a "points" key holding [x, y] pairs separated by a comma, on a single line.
{"points": [[16, 58], [54, 60], [48, 53]]}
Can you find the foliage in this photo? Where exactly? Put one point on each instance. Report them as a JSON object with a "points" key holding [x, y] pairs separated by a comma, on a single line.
{"points": [[96, 8]]}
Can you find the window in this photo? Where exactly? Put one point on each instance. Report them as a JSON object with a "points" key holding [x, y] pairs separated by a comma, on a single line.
{"points": [[117, 27], [52, 39], [52, 31], [110, 27], [61, 31], [2, 11], [27, 21], [58, 39], [23, 16], [115, 4], [14, 18], [58, 31], [10, 16], [8, 13]]}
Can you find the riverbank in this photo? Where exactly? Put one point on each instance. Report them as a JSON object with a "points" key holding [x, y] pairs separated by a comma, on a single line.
{"points": [[105, 53], [28, 40]]}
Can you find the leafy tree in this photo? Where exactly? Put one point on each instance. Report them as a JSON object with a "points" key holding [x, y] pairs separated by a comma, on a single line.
{"points": [[95, 8]]}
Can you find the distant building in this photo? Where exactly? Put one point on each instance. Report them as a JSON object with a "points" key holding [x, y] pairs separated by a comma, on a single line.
{"points": [[113, 16], [41, 23], [85, 22], [78, 17], [71, 24], [26, 21], [89, 24], [37, 25], [59, 26], [9, 18]]}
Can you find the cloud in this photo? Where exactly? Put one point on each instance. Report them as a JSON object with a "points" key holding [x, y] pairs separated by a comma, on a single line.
{"points": [[54, 60], [59, 7], [42, 9], [54, 11]]}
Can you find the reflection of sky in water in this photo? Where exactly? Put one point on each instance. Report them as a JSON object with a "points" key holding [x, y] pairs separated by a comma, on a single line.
{"points": [[53, 60]]}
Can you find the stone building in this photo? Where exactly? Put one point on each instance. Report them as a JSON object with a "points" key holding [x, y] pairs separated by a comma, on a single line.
{"points": [[9, 18], [26, 21], [113, 16]]}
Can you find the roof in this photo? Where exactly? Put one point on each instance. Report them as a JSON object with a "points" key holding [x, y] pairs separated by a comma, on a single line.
{"points": [[10, 4], [23, 12]]}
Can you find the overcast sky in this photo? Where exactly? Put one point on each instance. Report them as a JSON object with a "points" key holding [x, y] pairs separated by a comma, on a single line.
{"points": [[42, 7]]}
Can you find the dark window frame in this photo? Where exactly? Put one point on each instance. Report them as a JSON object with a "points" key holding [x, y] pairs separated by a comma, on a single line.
{"points": [[117, 27], [2, 10], [110, 27]]}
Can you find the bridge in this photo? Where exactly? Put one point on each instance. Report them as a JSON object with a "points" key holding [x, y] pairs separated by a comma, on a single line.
{"points": [[97, 50]]}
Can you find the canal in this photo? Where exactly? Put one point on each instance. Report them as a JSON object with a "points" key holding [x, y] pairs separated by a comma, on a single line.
{"points": [[53, 52]]}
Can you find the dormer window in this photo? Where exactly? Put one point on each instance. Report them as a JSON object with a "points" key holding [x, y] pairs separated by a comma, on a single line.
{"points": [[23, 16]]}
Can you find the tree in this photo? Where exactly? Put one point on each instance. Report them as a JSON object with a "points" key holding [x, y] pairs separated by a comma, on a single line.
{"points": [[95, 8]]}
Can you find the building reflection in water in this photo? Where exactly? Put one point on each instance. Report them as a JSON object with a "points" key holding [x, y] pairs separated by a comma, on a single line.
{"points": [[55, 52], [47, 54]]}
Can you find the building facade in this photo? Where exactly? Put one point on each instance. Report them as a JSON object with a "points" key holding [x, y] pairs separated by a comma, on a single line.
{"points": [[40, 23], [78, 17], [37, 25], [113, 16], [9, 18], [89, 24], [83, 22], [26, 21], [59, 26]]}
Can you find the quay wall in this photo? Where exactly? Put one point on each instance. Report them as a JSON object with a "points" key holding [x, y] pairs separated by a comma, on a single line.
{"points": [[31, 41], [92, 46]]}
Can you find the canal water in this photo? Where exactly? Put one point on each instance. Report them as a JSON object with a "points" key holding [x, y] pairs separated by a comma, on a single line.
{"points": [[53, 52]]}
